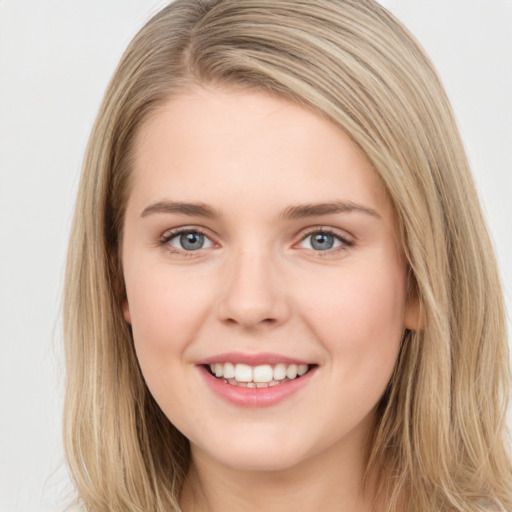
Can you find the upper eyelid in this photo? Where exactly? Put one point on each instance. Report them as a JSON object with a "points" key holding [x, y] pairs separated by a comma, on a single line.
{"points": [[340, 233], [172, 232], [346, 242], [343, 235]]}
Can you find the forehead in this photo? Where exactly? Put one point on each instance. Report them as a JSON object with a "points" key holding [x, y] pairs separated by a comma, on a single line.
{"points": [[210, 143]]}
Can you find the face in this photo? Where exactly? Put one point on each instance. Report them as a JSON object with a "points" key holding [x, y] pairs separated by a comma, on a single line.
{"points": [[266, 289]]}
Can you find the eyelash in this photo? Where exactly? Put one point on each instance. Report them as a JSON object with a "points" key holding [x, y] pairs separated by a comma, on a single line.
{"points": [[170, 235], [345, 243]]}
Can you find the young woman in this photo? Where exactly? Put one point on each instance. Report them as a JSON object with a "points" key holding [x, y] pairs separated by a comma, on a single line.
{"points": [[281, 294]]}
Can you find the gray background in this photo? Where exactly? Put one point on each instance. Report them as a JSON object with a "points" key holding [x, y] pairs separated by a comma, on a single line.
{"points": [[56, 57]]}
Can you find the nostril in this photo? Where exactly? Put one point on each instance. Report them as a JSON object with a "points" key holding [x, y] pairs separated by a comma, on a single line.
{"points": [[250, 321], [252, 302]]}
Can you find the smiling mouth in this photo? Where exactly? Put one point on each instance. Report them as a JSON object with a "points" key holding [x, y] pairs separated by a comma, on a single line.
{"points": [[261, 376]]}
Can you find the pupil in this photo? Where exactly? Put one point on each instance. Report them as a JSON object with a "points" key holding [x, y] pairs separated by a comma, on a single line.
{"points": [[192, 241], [322, 241]]}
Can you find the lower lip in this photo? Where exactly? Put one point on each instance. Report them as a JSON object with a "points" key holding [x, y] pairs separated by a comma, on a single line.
{"points": [[255, 397]]}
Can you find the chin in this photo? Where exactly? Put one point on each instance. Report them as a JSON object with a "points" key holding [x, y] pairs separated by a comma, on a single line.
{"points": [[259, 453], [262, 462]]}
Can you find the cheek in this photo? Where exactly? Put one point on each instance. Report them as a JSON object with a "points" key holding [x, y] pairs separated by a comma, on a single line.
{"points": [[164, 313], [162, 302], [359, 321], [167, 309], [359, 316]]}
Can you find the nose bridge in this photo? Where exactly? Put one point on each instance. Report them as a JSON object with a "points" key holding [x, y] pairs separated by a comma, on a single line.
{"points": [[254, 294]]}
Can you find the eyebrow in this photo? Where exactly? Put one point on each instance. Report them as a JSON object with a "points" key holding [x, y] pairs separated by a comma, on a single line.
{"points": [[290, 213], [190, 209], [316, 210]]}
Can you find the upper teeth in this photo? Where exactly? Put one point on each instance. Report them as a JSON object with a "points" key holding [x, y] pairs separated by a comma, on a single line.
{"points": [[263, 373]]}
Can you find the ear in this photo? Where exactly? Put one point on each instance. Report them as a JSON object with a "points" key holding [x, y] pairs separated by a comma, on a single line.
{"points": [[413, 320], [126, 312]]}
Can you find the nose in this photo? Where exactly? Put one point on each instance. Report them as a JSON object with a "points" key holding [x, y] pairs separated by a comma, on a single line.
{"points": [[254, 295]]}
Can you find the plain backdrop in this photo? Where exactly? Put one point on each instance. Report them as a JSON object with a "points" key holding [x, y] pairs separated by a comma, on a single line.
{"points": [[56, 57]]}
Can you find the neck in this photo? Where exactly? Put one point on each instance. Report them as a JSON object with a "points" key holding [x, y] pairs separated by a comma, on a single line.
{"points": [[329, 481]]}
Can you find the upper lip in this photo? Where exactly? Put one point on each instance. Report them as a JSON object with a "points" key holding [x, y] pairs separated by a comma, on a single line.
{"points": [[252, 359]]}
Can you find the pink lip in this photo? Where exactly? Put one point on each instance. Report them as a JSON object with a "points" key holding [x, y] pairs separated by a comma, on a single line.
{"points": [[254, 397], [252, 359]]}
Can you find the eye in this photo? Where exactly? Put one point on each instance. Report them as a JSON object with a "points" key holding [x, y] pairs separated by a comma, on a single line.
{"points": [[187, 240], [324, 240]]}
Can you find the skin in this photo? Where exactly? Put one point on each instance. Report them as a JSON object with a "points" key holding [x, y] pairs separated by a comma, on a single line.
{"points": [[258, 285]]}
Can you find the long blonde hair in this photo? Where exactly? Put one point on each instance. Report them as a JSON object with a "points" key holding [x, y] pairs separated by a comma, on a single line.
{"points": [[440, 431]]}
